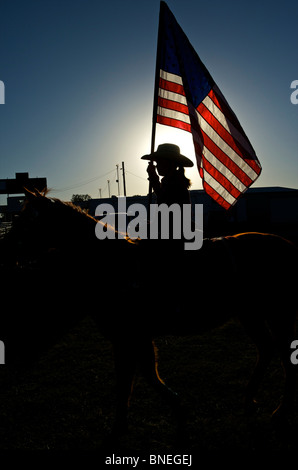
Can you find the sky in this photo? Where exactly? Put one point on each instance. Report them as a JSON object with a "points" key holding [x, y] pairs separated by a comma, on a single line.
{"points": [[79, 82]]}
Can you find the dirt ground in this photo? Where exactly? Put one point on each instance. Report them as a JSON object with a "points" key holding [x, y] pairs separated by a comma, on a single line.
{"points": [[67, 400]]}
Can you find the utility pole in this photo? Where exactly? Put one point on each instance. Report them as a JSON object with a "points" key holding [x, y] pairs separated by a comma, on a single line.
{"points": [[99, 192], [109, 188], [123, 174], [117, 180]]}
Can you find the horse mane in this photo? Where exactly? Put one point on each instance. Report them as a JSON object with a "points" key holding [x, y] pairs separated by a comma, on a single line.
{"points": [[44, 194], [72, 207], [73, 210]]}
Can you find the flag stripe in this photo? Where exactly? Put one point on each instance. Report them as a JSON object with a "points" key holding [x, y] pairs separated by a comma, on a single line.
{"points": [[188, 98], [222, 157], [170, 77], [219, 100], [225, 150], [234, 135], [166, 121], [209, 119], [218, 127], [216, 196], [228, 139], [224, 170], [171, 86], [217, 187], [172, 114], [236, 129], [169, 95], [173, 105], [219, 176]]}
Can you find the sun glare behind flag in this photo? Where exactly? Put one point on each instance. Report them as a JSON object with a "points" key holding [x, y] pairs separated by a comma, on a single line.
{"points": [[186, 97]]}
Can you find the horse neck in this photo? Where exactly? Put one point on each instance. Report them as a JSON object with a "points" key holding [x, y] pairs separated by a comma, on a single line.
{"points": [[78, 227]]}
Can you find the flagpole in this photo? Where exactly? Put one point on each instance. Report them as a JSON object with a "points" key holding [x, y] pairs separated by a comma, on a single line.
{"points": [[155, 97]]}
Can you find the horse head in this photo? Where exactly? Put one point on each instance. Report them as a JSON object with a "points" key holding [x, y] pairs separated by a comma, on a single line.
{"points": [[44, 224]]}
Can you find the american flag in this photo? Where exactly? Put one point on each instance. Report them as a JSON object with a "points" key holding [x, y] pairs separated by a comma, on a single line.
{"points": [[187, 97]]}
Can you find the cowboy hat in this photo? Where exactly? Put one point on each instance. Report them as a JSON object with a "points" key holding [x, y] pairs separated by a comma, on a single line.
{"points": [[169, 152]]}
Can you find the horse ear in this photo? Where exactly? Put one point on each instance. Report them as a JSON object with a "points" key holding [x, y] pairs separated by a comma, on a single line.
{"points": [[29, 194], [32, 195]]}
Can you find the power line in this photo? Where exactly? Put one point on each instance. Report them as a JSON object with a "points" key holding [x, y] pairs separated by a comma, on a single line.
{"points": [[95, 178], [137, 176], [83, 183]]}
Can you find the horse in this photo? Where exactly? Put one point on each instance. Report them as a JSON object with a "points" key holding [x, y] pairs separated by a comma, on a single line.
{"points": [[249, 275]]}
